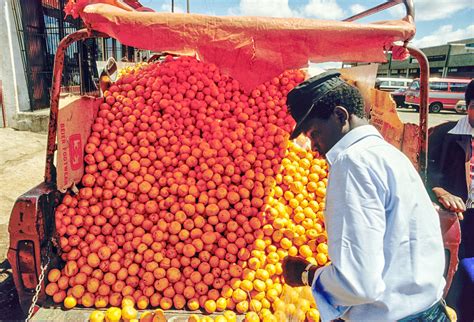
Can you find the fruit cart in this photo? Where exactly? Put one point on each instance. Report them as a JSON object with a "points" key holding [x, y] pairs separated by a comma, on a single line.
{"points": [[251, 50]]}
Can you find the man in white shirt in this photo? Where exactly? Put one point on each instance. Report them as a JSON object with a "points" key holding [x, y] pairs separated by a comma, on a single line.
{"points": [[384, 237]]}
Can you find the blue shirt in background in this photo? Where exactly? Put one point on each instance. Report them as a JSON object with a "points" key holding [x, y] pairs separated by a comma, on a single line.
{"points": [[384, 234]]}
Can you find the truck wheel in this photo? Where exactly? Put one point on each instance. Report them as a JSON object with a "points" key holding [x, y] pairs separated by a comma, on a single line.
{"points": [[9, 304], [436, 107]]}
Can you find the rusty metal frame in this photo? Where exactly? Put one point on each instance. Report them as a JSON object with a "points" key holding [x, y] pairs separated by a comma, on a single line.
{"points": [[50, 171], [423, 128], [383, 6]]}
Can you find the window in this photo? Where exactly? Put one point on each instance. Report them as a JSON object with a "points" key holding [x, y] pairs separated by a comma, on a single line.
{"points": [[439, 86], [437, 58], [383, 83], [458, 87], [415, 85], [398, 83]]}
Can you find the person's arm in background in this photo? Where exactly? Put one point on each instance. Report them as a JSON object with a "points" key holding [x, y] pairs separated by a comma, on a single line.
{"points": [[355, 223], [438, 165]]}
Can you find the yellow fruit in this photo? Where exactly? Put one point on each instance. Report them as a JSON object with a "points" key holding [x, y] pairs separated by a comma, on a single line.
{"points": [[312, 315], [221, 304], [246, 285], [273, 258], [270, 268], [147, 316], [239, 295], [242, 307], [207, 319], [159, 316], [129, 312], [255, 305], [248, 274], [253, 263], [285, 243], [322, 248], [303, 305], [113, 314], [259, 244], [305, 251], [262, 274], [97, 316], [272, 295], [271, 318], [230, 316], [259, 285], [251, 317], [220, 318], [280, 316], [128, 302], [194, 318], [321, 258], [70, 302], [266, 304], [293, 251], [290, 309], [210, 306]]}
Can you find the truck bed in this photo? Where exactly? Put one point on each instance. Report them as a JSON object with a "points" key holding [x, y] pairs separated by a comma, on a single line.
{"points": [[80, 314]]}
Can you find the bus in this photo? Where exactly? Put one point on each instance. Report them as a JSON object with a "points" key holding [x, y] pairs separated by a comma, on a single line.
{"points": [[392, 84], [444, 93]]}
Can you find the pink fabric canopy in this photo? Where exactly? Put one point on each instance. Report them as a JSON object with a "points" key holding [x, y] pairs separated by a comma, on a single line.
{"points": [[250, 49]]}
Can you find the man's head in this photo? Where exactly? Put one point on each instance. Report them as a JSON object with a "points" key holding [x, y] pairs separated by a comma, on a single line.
{"points": [[469, 98], [325, 108]]}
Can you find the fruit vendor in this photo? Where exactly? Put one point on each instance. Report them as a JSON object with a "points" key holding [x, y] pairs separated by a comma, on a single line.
{"points": [[384, 237], [450, 176]]}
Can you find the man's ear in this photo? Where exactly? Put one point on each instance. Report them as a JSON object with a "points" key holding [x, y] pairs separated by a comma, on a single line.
{"points": [[341, 114]]}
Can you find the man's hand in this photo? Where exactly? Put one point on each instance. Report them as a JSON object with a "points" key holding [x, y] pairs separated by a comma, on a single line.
{"points": [[449, 201], [452, 202], [293, 267]]}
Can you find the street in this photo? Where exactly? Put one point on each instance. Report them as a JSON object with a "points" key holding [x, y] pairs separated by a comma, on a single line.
{"points": [[411, 116]]}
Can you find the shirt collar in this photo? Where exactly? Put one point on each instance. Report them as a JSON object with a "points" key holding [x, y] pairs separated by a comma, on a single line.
{"points": [[349, 139], [462, 127]]}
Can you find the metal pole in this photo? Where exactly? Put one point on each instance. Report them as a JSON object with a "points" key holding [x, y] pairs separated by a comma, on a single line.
{"points": [[423, 129], [388, 4], [446, 62], [187, 6], [172, 5], [49, 177]]}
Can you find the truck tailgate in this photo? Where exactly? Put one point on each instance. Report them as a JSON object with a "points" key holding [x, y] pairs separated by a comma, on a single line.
{"points": [[79, 314]]}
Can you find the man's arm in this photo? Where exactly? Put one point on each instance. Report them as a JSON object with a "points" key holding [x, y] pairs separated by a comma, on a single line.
{"points": [[439, 157], [355, 223]]}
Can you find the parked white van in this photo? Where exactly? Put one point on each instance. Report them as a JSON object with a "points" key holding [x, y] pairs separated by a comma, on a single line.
{"points": [[392, 84]]}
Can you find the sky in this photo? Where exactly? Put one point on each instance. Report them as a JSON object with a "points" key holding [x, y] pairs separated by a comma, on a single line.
{"points": [[437, 21]]}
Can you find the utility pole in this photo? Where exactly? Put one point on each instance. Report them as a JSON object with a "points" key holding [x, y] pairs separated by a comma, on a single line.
{"points": [[187, 6], [172, 5]]}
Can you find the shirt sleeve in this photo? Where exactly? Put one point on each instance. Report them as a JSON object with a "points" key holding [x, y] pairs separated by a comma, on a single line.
{"points": [[355, 222]]}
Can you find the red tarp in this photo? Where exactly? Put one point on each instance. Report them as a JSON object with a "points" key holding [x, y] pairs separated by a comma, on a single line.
{"points": [[250, 49]]}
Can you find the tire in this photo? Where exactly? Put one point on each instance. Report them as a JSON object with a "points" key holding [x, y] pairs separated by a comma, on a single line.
{"points": [[436, 107], [10, 308]]}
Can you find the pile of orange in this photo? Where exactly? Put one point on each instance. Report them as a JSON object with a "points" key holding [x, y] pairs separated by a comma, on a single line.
{"points": [[192, 195]]}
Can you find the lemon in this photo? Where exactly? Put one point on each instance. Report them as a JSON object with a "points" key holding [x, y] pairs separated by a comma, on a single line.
{"points": [[97, 316], [230, 316], [70, 302], [129, 312], [113, 314]]}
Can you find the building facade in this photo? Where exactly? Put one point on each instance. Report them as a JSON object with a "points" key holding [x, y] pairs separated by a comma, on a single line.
{"points": [[454, 59], [30, 32]]}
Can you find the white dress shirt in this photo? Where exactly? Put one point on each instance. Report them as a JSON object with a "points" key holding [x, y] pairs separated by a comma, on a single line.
{"points": [[384, 234]]}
